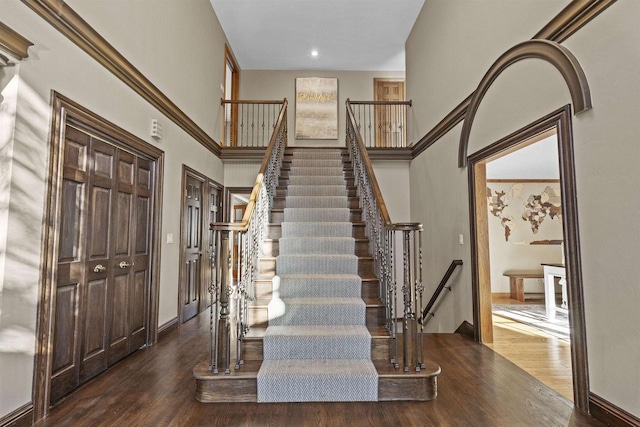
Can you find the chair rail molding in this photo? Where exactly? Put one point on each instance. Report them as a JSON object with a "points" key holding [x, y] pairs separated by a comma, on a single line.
{"points": [[552, 52]]}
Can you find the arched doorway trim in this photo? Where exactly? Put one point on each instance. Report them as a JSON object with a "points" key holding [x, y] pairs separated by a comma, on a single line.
{"points": [[552, 52], [561, 121]]}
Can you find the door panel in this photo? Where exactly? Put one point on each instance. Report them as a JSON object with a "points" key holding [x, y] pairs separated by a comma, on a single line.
{"points": [[103, 271], [99, 231], [390, 129], [122, 257], [141, 265], [118, 334], [122, 222], [68, 289], [70, 218], [138, 306], [142, 225], [66, 306], [65, 367], [192, 232], [99, 269], [94, 348]]}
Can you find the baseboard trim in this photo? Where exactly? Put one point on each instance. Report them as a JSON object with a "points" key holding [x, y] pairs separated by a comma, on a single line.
{"points": [[21, 417], [465, 329], [610, 414], [166, 328]]}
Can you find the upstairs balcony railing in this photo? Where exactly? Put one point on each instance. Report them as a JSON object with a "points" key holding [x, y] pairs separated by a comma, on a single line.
{"points": [[395, 247], [249, 235], [249, 123], [382, 124]]}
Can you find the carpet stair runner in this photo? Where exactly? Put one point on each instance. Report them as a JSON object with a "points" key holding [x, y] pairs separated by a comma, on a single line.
{"points": [[317, 346], [317, 326]]}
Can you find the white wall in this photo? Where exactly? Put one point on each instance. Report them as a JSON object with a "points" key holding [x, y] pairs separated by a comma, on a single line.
{"points": [[439, 200], [605, 144], [393, 180], [355, 85], [172, 59], [241, 173]]}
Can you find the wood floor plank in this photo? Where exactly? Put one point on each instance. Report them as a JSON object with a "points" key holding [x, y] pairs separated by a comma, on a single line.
{"points": [[155, 387], [542, 355]]}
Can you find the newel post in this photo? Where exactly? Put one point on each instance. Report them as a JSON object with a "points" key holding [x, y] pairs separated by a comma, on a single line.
{"points": [[224, 326], [409, 320]]}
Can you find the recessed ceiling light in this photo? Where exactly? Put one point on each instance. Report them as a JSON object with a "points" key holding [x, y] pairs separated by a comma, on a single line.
{"points": [[314, 53]]}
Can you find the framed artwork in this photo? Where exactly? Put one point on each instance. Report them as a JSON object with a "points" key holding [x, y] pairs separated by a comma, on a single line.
{"points": [[316, 108]]}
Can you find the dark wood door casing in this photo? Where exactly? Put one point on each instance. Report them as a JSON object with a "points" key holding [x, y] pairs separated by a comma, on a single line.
{"points": [[100, 254], [201, 205], [192, 247], [560, 120], [101, 315]]}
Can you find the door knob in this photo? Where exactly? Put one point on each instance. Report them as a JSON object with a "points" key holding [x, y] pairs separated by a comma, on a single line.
{"points": [[99, 268], [124, 264]]}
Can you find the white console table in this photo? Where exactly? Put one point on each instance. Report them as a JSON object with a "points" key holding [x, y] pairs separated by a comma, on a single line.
{"points": [[551, 271]]}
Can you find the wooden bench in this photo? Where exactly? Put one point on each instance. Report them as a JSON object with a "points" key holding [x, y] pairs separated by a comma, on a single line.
{"points": [[516, 284]]}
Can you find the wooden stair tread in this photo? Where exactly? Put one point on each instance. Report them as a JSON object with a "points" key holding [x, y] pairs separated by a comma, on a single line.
{"points": [[241, 385]]}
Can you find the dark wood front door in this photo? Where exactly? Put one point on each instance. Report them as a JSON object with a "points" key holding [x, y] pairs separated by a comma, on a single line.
{"points": [[103, 266], [192, 238]]}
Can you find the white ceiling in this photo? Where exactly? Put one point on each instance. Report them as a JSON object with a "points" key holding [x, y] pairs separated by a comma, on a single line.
{"points": [[363, 35], [535, 161]]}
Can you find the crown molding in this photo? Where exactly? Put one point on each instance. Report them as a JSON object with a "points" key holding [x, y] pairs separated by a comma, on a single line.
{"points": [[70, 24], [13, 43], [573, 17], [570, 19]]}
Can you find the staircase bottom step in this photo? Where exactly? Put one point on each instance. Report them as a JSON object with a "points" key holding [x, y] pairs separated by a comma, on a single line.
{"points": [[241, 386], [317, 380]]}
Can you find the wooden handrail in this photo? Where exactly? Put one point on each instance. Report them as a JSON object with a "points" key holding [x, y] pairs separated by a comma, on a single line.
{"points": [[438, 291], [388, 224], [244, 224], [251, 101], [409, 103]]}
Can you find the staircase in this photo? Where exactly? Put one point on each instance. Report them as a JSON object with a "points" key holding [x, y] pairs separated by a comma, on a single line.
{"points": [[317, 347], [317, 328]]}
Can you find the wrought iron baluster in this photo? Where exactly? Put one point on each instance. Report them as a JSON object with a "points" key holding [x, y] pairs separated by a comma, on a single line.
{"points": [[231, 295], [387, 119]]}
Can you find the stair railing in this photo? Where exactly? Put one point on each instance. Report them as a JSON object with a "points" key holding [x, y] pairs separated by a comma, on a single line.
{"points": [[429, 311], [390, 255], [249, 235], [249, 123], [382, 124]]}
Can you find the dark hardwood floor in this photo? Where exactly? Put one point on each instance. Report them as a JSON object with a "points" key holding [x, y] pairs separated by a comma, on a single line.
{"points": [[155, 387]]}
